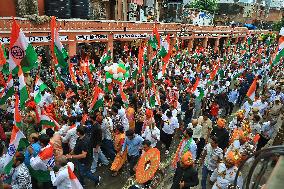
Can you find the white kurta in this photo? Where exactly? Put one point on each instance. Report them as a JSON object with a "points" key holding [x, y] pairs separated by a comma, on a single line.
{"points": [[153, 135]]}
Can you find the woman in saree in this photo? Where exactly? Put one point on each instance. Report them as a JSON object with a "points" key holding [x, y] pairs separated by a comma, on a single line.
{"points": [[130, 114], [119, 159]]}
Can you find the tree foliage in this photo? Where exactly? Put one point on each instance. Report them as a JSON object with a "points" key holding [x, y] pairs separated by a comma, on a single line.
{"points": [[206, 5], [278, 25]]}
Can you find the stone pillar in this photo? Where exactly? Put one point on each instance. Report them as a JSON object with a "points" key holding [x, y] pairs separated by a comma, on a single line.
{"points": [[205, 42], [226, 41], [110, 44], [216, 46], [190, 43], [72, 45]]}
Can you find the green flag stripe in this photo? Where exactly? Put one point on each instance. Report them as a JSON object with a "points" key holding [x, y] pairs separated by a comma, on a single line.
{"points": [[61, 57], [30, 60], [23, 143]]}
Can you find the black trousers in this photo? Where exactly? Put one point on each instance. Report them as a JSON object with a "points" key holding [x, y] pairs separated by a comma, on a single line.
{"points": [[132, 161], [200, 145], [261, 142], [241, 98], [166, 139], [230, 108], [108, 149], [138, 127]]}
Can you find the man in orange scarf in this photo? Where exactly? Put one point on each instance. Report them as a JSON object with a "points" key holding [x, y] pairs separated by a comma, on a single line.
{"points": [[186, 175], [221, 133]]}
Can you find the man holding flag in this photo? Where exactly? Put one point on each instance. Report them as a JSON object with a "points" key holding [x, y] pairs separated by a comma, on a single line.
{"points": [[64, 178], [21, 177], [83, 154]]}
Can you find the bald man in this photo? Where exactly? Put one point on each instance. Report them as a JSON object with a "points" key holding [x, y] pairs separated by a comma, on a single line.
{"points": [[61, 179], [197, 134]]}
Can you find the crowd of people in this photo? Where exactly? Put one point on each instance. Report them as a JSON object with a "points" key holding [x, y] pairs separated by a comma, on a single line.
{"points": [[200, 109]]}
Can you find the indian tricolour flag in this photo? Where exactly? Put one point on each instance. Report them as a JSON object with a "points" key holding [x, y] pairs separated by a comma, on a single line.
{"points": [[72, 75], [17, 142], [194, 87], [155, 40], [47, 121], [165, 53], [252, 89], [165, 47], [75, 184], [280, 52], [44, 159], [98, 100], [39, 87], [24, 95], [59, 53], [198, 89], [106, 57], [214, 73], [21, 52], [8, 90], [17, 114]]}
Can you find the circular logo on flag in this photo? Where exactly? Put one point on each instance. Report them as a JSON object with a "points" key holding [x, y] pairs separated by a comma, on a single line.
{"points": [[36, 88], [51, 162], [11, 150], [17, 52]]}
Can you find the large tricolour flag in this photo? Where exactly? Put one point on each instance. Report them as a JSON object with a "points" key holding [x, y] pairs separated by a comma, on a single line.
{"points": [[47, 121], [75, 184], [44, 159], [24, 95], [165, 53], [39, 87], [252, 89], [280, 52], [16, 142], [155, 39], [98, 99], [21, 52], [8, 90], [59, 53]]}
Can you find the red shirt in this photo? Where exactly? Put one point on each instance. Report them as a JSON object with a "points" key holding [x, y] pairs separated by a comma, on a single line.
{"points": [[214, 109]]}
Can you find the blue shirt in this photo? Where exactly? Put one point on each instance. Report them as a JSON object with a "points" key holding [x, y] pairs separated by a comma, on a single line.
{"points": [[133, 146], [36, 147], [233, 96], [267, 129]]}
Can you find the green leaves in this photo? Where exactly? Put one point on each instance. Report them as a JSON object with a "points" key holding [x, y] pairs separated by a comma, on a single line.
{"points": [[208, 5]]}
